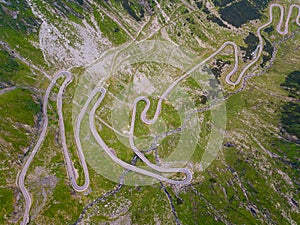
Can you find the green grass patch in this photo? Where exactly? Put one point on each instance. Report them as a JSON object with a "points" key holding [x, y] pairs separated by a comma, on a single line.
{"points": [[6, 200], [110, 29], [19, 105]]}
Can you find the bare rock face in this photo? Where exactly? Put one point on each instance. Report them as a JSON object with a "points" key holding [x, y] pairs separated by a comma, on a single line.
{"points": [[66, 43], [44, 183], [72, 44]]}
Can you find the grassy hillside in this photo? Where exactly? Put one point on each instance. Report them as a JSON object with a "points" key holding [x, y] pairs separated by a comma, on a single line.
{"points": [[254, 179]]}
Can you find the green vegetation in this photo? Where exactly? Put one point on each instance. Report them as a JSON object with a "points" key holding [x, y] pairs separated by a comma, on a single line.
{"points": [[17, 16], [19, 106], [268, 52], [110, 29], [13, 72], [18, 113], [6, 200], [221, 3], [251, 10], [72, 10], [251, 41], [292, 84], [252, 181], [135, 10], [269, 29], [19, 29], [291, 111], [216, 20], [56, 210], [217, 68], [291, 118]]}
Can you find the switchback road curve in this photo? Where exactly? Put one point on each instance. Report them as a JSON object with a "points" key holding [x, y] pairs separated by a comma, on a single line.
{"points": [[68, 79]]}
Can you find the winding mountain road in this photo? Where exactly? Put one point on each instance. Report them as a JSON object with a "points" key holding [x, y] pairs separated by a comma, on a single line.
{"points": [[102, 91], [141, 156], [21, 176], [70, 166]]}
